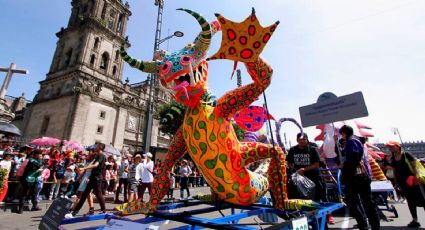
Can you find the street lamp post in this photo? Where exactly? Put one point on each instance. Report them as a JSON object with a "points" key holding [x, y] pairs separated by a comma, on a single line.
{"points": [[397, 132], [147, 134]]}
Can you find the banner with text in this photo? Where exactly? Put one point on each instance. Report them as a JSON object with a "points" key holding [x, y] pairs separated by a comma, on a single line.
{"points": [[334, 109]]}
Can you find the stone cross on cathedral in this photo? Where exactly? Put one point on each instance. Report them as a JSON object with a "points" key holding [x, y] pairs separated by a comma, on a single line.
{"points": [[10, 71]]}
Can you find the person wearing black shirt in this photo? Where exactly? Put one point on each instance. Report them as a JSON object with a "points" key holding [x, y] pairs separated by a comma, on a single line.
{"points": [[95, 181], [356, 175], [412, 189], [305, 158], [29, 181]]}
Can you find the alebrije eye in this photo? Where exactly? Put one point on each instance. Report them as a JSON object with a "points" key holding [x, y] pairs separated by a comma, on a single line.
{"points": [[186, 60], [165, 68]]}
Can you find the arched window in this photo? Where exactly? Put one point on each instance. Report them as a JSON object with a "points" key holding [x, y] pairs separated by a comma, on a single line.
{"points": [[114, 70], [92, 59], [105, 60], [105, 5], [119, 25], [96, 43], [45, 124], [68, 57]]}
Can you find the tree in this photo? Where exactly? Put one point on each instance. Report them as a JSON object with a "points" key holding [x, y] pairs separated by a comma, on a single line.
{"points": [[170, 117]]}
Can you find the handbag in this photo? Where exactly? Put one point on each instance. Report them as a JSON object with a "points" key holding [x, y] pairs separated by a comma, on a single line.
{"points": [[31, 178], [305, 187], [390, 173], [419, 167], [361, 169]]}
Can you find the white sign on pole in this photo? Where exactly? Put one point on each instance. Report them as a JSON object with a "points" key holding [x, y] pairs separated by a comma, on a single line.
{"points": [[334, 109]]}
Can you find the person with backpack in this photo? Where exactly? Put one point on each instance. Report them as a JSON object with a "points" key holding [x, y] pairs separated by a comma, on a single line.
{"points": [[356, 175], [29, 181], [407, 180]]}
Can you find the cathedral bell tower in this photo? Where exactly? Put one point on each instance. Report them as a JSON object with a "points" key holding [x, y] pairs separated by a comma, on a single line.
{"points": [[76, 100], [92, 40]]}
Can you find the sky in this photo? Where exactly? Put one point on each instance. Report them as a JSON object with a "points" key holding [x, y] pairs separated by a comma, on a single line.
{"points": [[373, 46]]}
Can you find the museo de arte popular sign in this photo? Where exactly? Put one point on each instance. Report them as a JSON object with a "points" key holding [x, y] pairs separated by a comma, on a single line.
{"points": [[330, 108]]}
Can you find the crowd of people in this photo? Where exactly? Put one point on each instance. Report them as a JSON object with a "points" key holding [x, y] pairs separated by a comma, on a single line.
{"points": [[356, 175], [35, 174]]}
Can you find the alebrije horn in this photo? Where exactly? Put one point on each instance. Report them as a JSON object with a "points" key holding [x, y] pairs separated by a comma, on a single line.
{"points": [[202, 42], [145, 66]]}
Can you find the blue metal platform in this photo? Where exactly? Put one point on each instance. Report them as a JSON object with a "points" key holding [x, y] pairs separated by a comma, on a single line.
{"points": [[316, 218]]}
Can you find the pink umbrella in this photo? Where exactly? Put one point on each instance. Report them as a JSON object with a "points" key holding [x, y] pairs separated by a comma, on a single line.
{"points": [[74, 145], [365, 133], [45, 141], [362, 126]]}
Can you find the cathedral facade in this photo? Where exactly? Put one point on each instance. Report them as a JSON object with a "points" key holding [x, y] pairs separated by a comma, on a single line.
{"points": [[83, 97]]}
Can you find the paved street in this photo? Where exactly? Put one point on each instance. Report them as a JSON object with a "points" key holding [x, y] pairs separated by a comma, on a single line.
{"points": [[30, 220]]}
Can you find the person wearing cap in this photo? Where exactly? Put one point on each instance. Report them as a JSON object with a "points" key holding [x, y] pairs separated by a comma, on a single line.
{"points": [[407, 180], [123, 179], [305, 159], [29, 181], [356, 175], [147, 175]]}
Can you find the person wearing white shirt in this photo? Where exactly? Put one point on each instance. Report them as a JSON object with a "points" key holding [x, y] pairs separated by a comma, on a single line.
{"points": [[6, 163], [139, 173], [147, 175]]}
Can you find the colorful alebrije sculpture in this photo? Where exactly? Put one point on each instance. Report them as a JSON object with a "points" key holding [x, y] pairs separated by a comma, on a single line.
{"points": [[207, 133]]}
